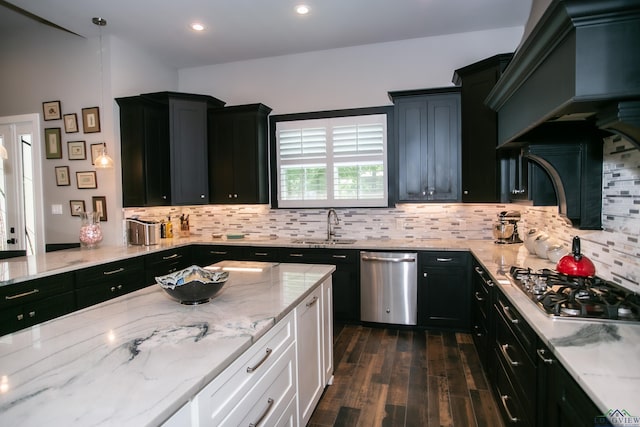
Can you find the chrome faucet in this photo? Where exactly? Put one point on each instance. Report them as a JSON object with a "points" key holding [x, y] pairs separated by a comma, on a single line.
{"points": [[336, 221]]}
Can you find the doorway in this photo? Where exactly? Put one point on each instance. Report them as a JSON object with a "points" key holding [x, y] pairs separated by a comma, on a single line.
{"points": [[21, 205]]}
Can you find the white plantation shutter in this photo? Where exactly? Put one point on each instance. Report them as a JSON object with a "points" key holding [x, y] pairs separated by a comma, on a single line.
{"points": [[332, 162]]}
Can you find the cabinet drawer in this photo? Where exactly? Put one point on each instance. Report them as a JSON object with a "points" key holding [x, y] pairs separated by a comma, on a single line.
{"points": [[33, 290], [518, 366], [518, 325], [267, 401], [181, 255], [261, 254], [31, 313], [120, 272], [444, 258], [210, 254], [508, 401], [225, 392]]}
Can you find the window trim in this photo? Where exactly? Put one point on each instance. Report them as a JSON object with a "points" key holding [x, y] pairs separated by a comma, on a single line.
{"points": [[391, 146]]}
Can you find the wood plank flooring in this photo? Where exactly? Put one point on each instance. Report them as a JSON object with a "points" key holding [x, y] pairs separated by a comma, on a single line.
{"points": [[398, 377]]}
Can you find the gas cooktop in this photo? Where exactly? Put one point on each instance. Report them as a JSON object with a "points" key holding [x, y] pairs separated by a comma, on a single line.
{"points": [[569, 297]]}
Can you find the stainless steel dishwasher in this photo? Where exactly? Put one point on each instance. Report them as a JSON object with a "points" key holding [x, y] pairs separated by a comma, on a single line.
{"points": [[389, 287]]}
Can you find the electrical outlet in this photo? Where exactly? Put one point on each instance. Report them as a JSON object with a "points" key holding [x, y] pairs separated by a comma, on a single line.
{"points": [[56, 209]]}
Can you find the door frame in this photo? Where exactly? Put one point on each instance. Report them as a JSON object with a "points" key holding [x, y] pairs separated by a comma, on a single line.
{"points": [[36, 166]]}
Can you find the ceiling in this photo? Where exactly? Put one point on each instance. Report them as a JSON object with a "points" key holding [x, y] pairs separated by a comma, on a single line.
{"points": [[248, 29]]}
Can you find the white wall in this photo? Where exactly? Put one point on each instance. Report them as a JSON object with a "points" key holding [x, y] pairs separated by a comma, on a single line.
{"points": [[350, 77], [53, 65]]}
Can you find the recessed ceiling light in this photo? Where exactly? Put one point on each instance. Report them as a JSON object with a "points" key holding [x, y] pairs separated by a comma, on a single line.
{"points": [[197, 26], [302, 9]]}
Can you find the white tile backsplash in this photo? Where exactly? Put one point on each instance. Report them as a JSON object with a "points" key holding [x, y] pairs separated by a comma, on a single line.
{"points": [[615, 249]]}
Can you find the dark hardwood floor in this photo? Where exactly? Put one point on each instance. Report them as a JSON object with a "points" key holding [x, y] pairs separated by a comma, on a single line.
{"points": [[398, 377]]}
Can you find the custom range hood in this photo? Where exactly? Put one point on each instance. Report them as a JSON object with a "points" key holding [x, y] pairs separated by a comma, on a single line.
{"points": [[574, 79], [579, 61]]}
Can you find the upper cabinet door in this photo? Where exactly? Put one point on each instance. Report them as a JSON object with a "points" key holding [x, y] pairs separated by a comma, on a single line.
{"points": [[189, 170], [238, 154], [428, 137]]}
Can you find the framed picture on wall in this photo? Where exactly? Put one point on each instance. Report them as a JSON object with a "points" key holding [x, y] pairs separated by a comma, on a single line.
{"points": [[71, 123], [77, 207], [52, 144], [86, 179], [100, 205], [76, 150], [62, 176], [96, 150], [91, 120], [51, 110]]}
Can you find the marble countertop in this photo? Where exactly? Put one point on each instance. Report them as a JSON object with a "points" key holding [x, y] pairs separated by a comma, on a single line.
{"points": [[136, 359], [602, 357]]}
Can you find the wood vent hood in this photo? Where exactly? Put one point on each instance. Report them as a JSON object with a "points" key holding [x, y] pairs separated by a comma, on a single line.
{"points": [[574, 79], [580, 62]]}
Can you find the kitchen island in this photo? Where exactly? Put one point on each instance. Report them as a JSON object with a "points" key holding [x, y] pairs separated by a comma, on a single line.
{"points": [[137, 359], [600, 357]]}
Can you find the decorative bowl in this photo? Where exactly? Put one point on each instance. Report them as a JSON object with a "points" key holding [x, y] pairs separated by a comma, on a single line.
{"points": [[193, 285]]}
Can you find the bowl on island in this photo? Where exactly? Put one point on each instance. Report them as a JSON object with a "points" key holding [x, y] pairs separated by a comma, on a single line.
{"points": [[193, 285]]}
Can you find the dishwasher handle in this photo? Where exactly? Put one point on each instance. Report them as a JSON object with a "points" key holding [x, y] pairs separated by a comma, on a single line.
{"points": [[381, 259]]}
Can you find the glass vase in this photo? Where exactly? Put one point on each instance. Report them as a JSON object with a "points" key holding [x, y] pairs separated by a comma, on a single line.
{"points": [[90, 231]]}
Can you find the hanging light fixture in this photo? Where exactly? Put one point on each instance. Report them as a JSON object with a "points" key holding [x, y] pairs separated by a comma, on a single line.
{"points": [[103, 161]]}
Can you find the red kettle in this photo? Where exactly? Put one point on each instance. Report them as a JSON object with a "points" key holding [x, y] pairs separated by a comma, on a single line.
{"points": [[576, 264]]}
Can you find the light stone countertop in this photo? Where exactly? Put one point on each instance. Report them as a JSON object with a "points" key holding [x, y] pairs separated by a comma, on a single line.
{"points": [[136, 359], [604, 358]]}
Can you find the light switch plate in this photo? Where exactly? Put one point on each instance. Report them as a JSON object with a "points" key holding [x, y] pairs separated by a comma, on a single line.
{"points": [[56, 209]]}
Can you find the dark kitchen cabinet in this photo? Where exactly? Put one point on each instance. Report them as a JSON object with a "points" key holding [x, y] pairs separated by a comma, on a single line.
{"points": [[444, 290], [261, 253], [35, 301], [480, 165], [204, 255], [166, 262], [427, 129], [238, 154], [525, 181], [164, 139], [345, 280], [482, 319], [103, 282], [561, 401]]}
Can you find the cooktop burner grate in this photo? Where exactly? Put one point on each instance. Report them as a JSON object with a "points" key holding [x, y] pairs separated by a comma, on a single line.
{"points": [[570, 297]]}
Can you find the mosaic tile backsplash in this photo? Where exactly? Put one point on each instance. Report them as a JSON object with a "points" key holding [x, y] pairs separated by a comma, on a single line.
{"points": [[615, 249]]}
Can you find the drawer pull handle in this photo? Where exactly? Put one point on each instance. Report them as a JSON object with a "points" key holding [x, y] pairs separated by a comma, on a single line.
{"points": [[489, 283], [479, 271], [113, 288], [297, 255], [218, 252], [479, 298], [170, 256], [339, 256], [507, 313], [541, 352], [444, 259], [261, 254], [477, 329], [24, 294], [313, 301], [264, 414], [504, 399], [267, 353], [504, 349], [381, 259], [20, 316], [119, 270], [32, 314]]}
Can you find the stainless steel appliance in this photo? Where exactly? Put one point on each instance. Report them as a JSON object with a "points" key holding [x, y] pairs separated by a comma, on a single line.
{"points": [[389, 287], [571, 297], [143, 232], [506, 230]]}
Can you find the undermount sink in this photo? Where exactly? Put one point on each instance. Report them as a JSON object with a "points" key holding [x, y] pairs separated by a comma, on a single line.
{"points": [[325, 241]]}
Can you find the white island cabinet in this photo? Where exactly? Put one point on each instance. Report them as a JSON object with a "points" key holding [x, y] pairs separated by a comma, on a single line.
{"points": [[278, 381], [143, 359]]}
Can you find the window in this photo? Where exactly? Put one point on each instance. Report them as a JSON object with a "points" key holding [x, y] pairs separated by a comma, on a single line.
{"points": [[332, 161]]}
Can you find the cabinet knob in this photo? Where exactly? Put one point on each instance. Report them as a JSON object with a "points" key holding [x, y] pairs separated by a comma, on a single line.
{"points": [[465, 192], [32, 314], [20, 316], [235, 196], [164, 197], [202, 196]]}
